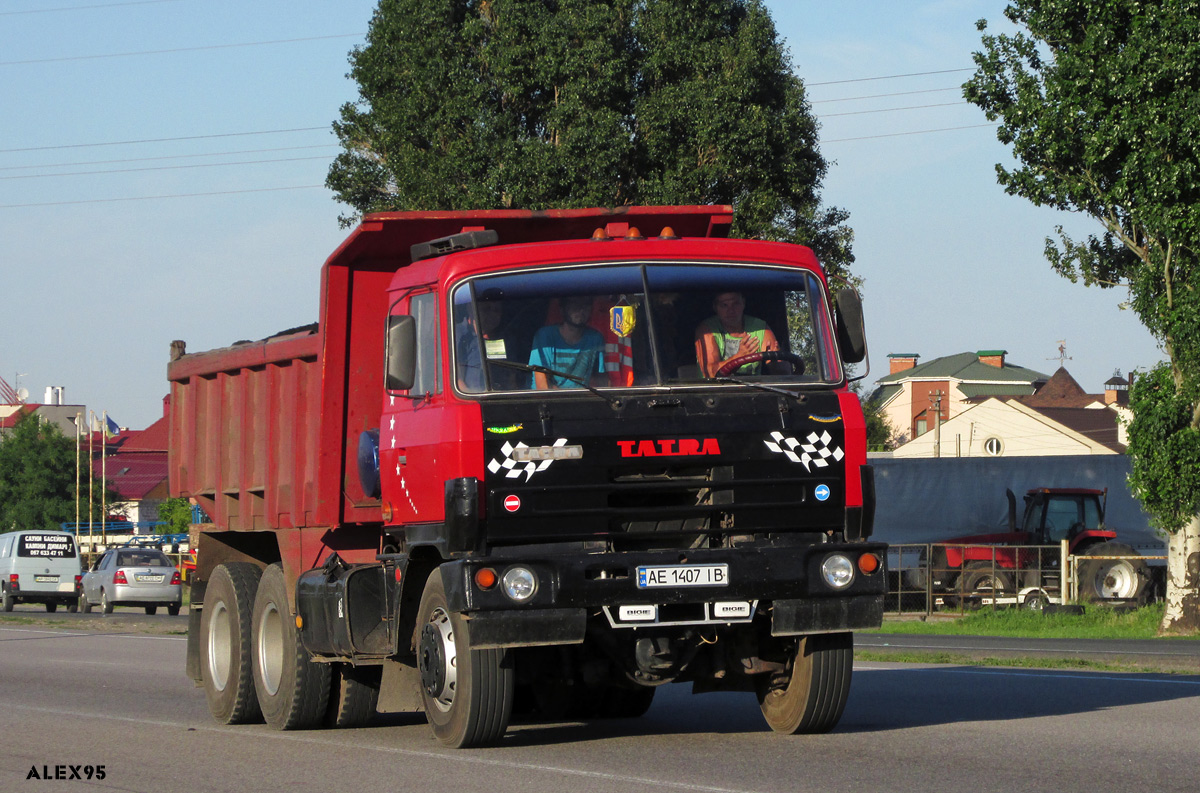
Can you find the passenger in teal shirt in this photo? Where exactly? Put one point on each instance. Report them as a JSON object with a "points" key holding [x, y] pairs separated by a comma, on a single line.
{"points": [[571, 347]]}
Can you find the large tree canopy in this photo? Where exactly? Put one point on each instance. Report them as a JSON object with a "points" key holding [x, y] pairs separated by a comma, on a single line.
{"points": [[37, 478], [535, 104], [1100, 102]]}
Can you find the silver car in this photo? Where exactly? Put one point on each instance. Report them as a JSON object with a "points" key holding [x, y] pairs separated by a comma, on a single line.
{"points": [[132, 577]]}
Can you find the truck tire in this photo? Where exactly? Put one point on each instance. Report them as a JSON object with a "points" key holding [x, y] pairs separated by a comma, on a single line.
{"points": [[353, 695], [982, 578], [815, 694], [225, 650], [292, 690], [1112, 579], [467, 693], [9, 600], [51, 607]]}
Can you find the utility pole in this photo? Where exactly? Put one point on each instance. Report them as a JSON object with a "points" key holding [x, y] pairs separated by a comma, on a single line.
{"points": [[935, 400]]}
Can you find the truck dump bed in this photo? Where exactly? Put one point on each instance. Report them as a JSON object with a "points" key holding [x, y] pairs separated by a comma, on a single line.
{"points": [[264, 434]]}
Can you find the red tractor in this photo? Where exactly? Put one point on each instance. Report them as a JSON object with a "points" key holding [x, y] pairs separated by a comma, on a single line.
{"points": [[1002, 565]]}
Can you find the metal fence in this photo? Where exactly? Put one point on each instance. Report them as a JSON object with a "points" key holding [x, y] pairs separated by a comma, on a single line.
{"points": [[957, 577]]}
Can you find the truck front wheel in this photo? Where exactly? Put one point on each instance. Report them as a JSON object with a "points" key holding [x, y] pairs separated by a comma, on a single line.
{"points": [[225, 643], [812, 698], [467, 693], [292, 690]]}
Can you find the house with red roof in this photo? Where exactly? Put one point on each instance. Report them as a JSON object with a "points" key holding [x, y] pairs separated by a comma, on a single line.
{"points": [[134, 462], [1057, 418]]}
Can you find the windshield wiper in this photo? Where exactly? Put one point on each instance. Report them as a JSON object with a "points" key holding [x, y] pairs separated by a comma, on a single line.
{"points": [[530, 367], [760, 386]]}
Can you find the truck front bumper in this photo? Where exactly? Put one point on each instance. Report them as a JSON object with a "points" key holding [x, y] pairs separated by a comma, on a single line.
{"points": [[785, 583]]}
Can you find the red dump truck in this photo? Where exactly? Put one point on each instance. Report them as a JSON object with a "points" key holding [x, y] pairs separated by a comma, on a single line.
{"points": [[555, 459]]}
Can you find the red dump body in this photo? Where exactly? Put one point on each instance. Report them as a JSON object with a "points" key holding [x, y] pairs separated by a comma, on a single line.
{"points": [[263, 434]]}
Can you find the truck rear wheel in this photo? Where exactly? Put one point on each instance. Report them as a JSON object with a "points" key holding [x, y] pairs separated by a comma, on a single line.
{"points": [[815, 693], [292, 690], [467, 693], [225, 643], [353, 695], [1112, 579]]}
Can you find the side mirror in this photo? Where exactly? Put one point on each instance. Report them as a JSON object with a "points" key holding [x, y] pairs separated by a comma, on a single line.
{"points": [[401, 362], [848, 319]]}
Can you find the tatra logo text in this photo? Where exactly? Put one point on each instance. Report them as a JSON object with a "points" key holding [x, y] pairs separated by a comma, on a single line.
{"points": [[683, 447]]}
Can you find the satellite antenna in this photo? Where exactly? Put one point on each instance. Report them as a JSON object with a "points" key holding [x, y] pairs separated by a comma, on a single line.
{"points": [[22, 394]]}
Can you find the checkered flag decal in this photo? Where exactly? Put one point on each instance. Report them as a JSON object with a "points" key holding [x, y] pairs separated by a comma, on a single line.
{"points": [[814, 453], [513, 469]]}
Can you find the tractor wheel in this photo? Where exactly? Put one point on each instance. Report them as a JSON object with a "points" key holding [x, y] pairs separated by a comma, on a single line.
{"points": [[981, 578], [1113, 579], [813, 696]]}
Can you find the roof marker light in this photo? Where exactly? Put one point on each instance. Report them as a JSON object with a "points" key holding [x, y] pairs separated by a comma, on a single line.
{"points": [[667, 233], [600, 234], [634, 234]]}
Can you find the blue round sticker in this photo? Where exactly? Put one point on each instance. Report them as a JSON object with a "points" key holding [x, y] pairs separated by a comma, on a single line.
{"points": [[822, 492]]}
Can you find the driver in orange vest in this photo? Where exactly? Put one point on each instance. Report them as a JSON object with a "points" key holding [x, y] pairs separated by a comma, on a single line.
{"points": [[729, 334]]}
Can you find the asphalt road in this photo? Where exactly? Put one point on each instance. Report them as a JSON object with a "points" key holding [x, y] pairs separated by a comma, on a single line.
{"points": [[75, 697]]}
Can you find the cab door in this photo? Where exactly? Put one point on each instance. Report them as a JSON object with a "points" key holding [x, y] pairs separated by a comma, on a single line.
{"points": [[409, 431]]}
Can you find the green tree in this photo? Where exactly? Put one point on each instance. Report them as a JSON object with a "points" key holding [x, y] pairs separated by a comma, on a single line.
{"points": [[176, 513], [536, 104], [37, 478], [1098, 100]]}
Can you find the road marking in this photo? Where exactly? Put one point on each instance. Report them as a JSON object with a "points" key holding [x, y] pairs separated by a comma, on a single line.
{"points": [[69, 634], [458, 756]]}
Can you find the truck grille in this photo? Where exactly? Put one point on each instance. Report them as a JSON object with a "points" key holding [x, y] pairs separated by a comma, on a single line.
{"points": [[653, 502]]}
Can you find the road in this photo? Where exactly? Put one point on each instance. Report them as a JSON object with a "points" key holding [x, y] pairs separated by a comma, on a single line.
{"points": [[72, 697]]}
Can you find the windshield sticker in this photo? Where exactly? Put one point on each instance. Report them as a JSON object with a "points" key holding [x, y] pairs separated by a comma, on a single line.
{"points": [[622, 320], [535, 459], [814, 453], [824, 419], [494, 348], [509, 430]]}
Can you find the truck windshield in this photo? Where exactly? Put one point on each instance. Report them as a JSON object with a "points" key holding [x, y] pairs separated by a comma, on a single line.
{"points": [[630, 325]]}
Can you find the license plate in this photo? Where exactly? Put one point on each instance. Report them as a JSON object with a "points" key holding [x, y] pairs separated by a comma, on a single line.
{"points": [[683, 575], [46, 579], [148, 579]]}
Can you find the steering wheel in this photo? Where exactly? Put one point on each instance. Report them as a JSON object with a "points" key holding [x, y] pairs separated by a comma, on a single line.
{"points": [[737, 362]]}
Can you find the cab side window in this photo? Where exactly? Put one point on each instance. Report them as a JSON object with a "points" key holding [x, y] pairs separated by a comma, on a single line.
{"points": [[423, 308]]}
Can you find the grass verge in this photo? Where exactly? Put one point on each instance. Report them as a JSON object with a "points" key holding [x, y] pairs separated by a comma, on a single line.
{"points": [[1097, 622]]}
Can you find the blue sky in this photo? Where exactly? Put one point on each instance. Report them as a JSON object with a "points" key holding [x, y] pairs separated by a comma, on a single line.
{"points": [[208, 222]]}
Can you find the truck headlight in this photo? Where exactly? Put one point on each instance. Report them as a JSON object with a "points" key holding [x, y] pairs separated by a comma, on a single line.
{"points": [[519, 583], [838, 571]]}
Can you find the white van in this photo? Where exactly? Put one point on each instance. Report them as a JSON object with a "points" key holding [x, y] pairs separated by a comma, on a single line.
{"points": [[40, 567]]}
